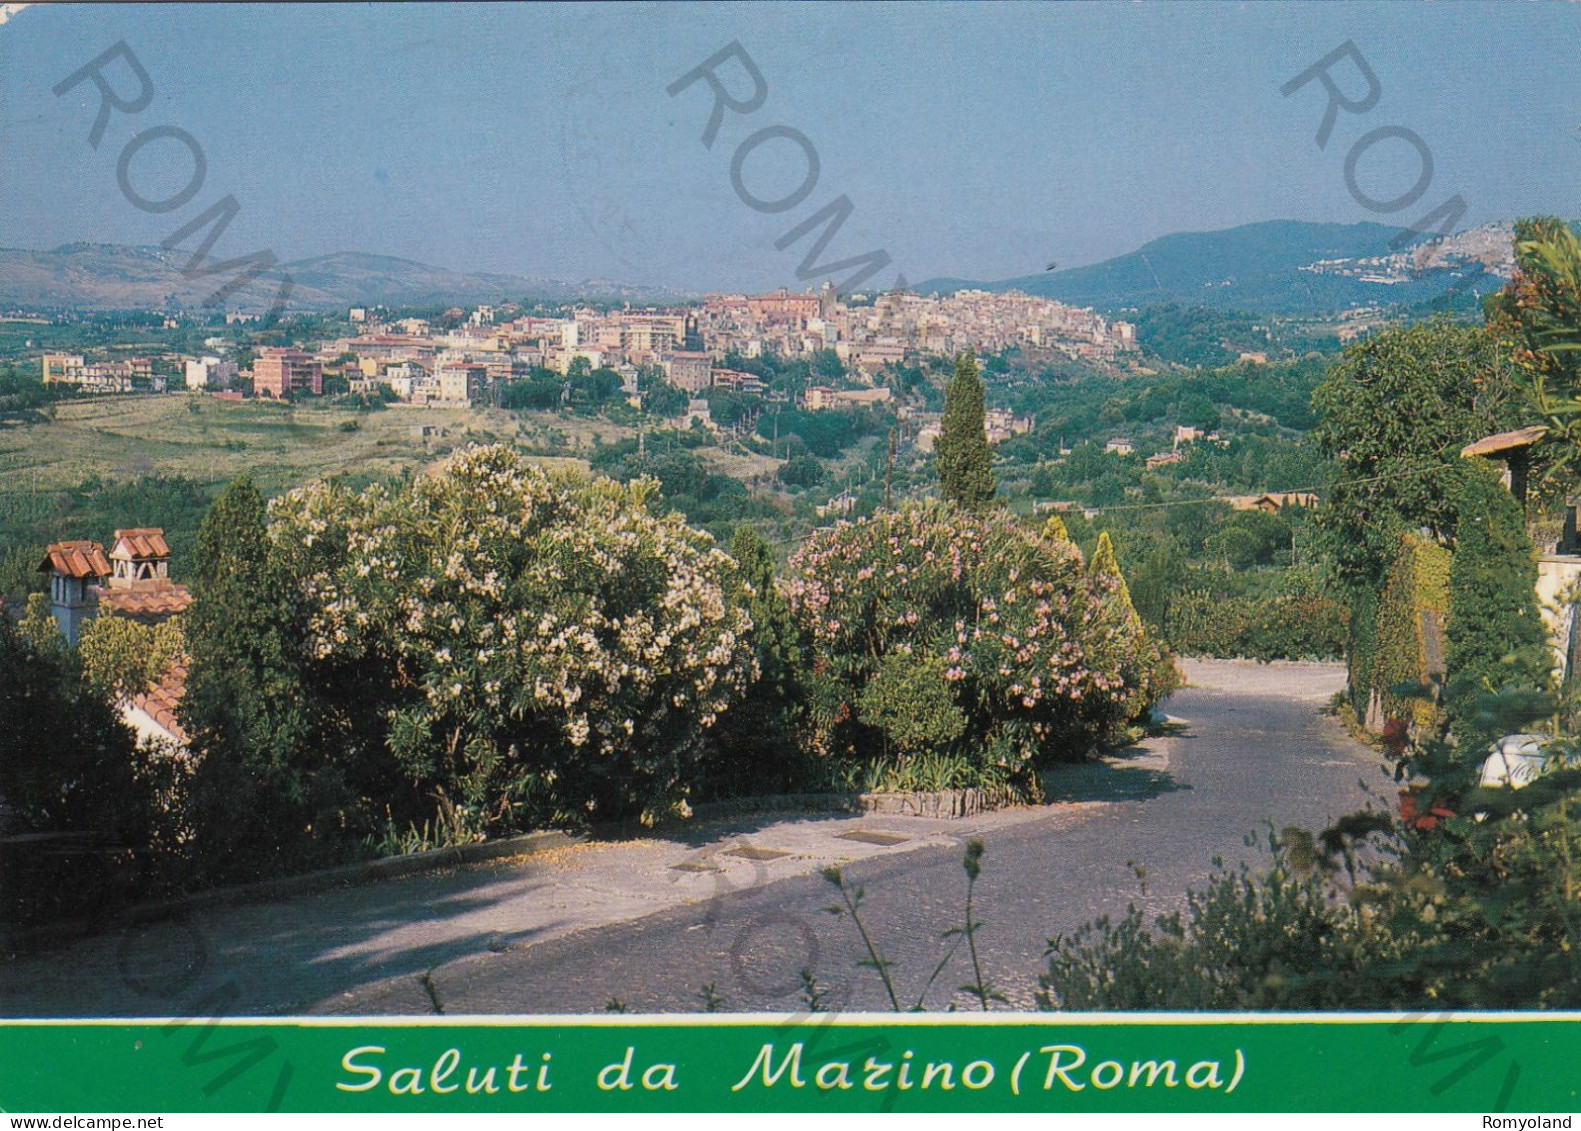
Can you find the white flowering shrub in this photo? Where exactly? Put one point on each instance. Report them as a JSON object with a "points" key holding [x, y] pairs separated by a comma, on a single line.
{"points": [[940, 631], [552, 649]]}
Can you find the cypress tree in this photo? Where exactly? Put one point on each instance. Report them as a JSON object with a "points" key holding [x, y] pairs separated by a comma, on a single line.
{"points": [[962, 455], [1148, 671], [245, 704], [1497, 639], [1110, 584]]}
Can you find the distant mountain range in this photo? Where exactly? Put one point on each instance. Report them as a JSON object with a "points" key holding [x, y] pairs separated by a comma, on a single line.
{"points": [[1276, 267], [116, 277]]}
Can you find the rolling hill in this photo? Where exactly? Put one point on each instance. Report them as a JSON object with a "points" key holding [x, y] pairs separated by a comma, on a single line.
{"points": [[1276, 267], [90, 276]]}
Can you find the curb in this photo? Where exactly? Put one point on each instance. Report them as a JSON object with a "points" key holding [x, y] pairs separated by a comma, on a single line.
{"points": [[942, 804], [286, 887]]}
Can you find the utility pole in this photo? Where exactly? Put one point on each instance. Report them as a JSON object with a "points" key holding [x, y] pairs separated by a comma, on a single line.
{"points": [[889, 472]]}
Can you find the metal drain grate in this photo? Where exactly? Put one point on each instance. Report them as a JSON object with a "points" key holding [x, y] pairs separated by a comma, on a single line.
{"points": [[753, 852], [873, 836]]}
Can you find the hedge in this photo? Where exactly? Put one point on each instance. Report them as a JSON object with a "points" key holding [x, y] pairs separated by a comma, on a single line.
{"points": [[1407, 648], [1290, 626]]}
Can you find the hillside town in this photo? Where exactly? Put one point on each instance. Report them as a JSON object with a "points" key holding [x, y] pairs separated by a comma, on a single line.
{"points": [[417, 361]]}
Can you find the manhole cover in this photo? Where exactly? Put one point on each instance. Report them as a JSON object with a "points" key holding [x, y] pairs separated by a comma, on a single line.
{"points": [[753, 852], [873, 836], [694, 866]]}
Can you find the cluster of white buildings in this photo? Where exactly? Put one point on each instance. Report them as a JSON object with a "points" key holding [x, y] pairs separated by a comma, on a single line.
{"points": [[989, 322], [475, 353], [899, 325], [132, 375]]}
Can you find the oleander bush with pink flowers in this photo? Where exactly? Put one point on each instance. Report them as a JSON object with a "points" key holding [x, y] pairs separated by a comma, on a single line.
{"points": [[551, 649], [933, 630], [489, 648]]}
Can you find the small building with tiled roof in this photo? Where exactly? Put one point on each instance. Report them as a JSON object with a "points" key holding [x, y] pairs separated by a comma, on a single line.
{"points": [[140, 555], [133, 581], [144, 606], [74, 569], [1276, 501]]}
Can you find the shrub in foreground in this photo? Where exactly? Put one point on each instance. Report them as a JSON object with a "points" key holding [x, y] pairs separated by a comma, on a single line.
{"points": [[936, 630]]}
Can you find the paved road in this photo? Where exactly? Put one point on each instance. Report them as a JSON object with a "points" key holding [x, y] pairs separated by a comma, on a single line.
{"points": [[739, 906]]}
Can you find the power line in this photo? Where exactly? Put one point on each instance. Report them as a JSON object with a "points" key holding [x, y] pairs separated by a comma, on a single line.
{"points": [[1291, 491]]}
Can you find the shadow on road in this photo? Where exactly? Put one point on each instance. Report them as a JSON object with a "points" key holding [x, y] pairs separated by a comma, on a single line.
{"points": [[1130, 775], [715, 831]]}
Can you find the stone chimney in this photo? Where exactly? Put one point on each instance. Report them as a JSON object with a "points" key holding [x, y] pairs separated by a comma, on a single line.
{"points": [[140, 559]]}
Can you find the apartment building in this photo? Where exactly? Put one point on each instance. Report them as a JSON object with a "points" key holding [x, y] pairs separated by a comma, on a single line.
{"points": [[282, 373]]}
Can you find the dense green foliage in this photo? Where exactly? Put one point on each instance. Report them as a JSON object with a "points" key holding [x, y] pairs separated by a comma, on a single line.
{"points": [[1537, 318], [759, 739], [1301, 624], [550, 649], [68, 768], [265, 787], [1397, 409], [1497, 638], [935, 628], [1198, 335], [123, 657], [962, 457], [1392, 676]]}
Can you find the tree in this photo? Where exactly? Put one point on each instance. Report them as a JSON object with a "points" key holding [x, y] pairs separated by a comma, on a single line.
{"points": [[247, 705], [964, 460], [67, 765], [1537, 316], [757, 738], [1054, 530], [122, 657], [932, 627], [1107, 578], [801, 471], [1496, 635], [1147, 674], [1156, 581], [1396, 410]]}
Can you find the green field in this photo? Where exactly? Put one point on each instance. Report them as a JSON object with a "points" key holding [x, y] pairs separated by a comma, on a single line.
{"points": [[212, 441], [111, 462], [97, 464]]}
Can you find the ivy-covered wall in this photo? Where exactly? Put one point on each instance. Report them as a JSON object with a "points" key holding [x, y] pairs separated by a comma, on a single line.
{"points": [[1404, 649]]}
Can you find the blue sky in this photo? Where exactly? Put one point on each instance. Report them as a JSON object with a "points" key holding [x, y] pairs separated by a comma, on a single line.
{"points": [[978, 141]]}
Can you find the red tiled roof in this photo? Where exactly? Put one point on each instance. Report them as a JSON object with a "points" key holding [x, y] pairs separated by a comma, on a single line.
{"points": [[152, 605], [159, 701], [75, 559], [144, 542]]}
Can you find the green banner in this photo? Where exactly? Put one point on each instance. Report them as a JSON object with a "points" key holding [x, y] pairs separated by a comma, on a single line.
{"points": [[1478, 1063]]}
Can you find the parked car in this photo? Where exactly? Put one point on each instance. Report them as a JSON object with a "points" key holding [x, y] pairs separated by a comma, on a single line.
{"points": [[1516, 761]]}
